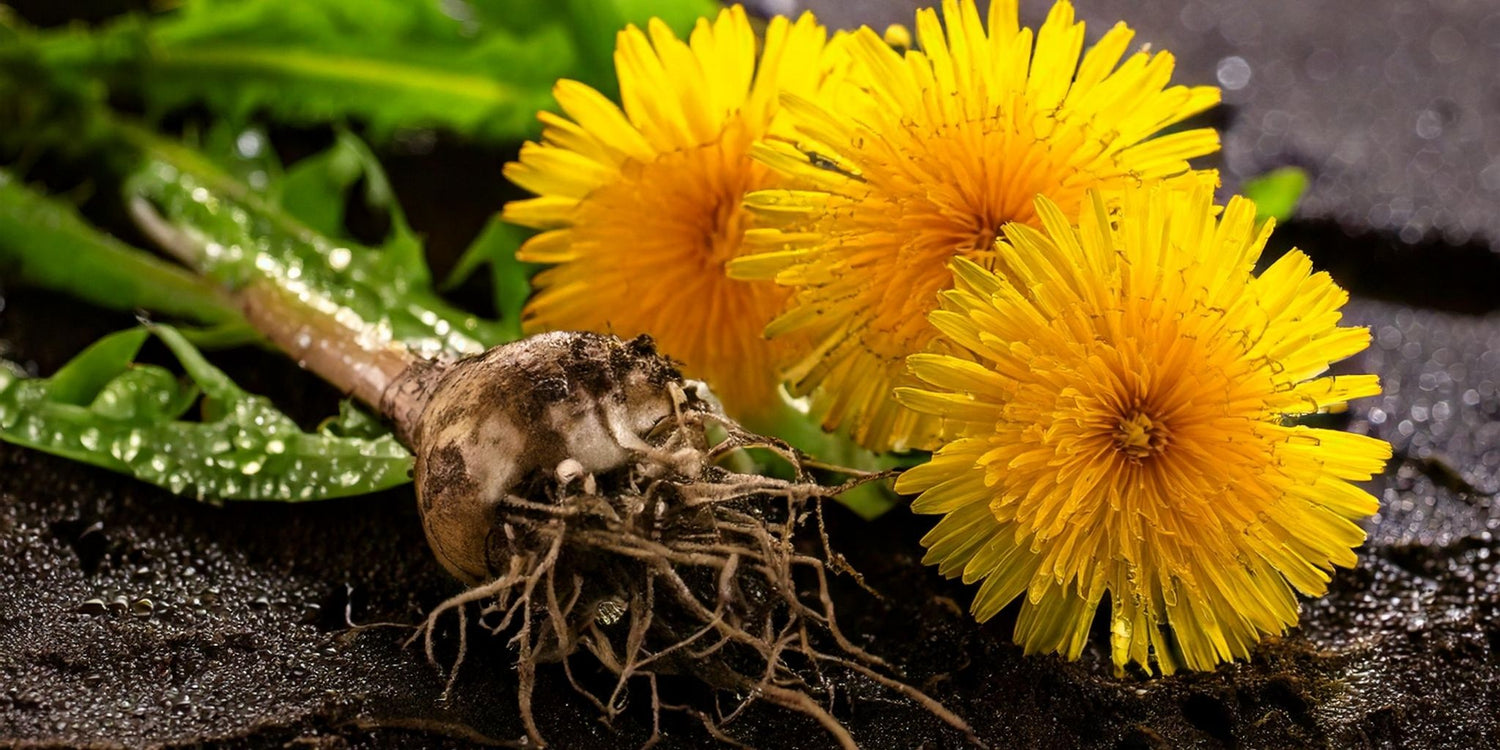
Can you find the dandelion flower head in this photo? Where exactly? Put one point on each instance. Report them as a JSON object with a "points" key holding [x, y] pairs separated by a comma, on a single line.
{"points": [[921, 157], [640, 204], [1126, 399]]}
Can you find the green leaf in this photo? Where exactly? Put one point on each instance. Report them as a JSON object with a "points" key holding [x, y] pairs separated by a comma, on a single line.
{"points": [[44, 243], [104, 410], [1276, 193], [223, 336], [353, 421], [79, 381], [797, 428], [314, 189], [481, 68], [243, 152], [595, 23], [389, 63], [238, 236], [510, 278]]}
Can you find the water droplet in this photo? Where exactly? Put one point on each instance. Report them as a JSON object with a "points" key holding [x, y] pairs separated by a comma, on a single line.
{"points": [[1429, 124], [1233, 73], [250, 144]]}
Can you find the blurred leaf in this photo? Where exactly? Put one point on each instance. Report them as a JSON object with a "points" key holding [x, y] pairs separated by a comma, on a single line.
{"points": [[1276, 193], [354, 422], [244, 152], [314, 189], [104, 409], [43, 242], [390, 63], [595, 23], [510, 278], [403, 257], [223, 336], [802, 431]]}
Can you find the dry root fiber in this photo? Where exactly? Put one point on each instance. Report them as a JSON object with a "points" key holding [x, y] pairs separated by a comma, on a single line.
{"points": [[608, 526]]}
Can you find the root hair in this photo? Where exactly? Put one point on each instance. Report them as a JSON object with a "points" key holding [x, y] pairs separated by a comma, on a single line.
{"points": [[675, 565]]}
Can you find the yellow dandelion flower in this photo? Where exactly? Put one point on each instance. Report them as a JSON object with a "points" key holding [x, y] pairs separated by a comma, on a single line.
{"points": [[924, 157], [1125, 398], [641, 205]]}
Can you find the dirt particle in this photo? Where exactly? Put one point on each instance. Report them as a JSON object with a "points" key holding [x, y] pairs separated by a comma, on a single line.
{"points": [[1210, 715]]}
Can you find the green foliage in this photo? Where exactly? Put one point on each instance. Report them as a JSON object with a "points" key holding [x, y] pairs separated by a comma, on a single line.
{"points": [[480, 69], [314, 190], [104, 409], [1276, 193], [390, 63], [509, 278], [595, 23], [836, 449], [43, 242], [241, 235]]}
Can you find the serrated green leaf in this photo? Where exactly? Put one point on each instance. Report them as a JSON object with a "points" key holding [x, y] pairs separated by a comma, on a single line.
{"points": [[391, 64], [314, 190], [245, 449], [1276, 193], [240, 236]]}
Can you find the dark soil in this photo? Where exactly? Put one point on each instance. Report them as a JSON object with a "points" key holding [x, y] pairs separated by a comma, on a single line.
{"points": [[130, 617]]}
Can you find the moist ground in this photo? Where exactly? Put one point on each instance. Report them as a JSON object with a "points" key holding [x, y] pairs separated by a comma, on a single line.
{"points": [[130, 617]]}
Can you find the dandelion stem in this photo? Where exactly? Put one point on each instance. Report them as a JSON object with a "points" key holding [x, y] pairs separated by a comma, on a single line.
{"points": [[337, 351]]}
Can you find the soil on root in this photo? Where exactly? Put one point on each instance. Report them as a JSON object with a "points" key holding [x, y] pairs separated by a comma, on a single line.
{"points": [[673, 565]]}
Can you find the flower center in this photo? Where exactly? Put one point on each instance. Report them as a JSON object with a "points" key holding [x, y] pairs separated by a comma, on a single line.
{"points": [[1138, 437], [723, 230]]}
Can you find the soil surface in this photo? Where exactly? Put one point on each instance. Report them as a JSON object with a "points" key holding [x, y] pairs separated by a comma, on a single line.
{"points": [[129, 617]]}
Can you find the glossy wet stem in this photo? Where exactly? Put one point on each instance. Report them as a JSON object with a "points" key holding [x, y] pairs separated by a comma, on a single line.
{"points": [[317, 340], [316, 299]]}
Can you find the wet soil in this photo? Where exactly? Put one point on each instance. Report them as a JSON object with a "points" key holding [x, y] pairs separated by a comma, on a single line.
{"points": [[129, 617]]}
